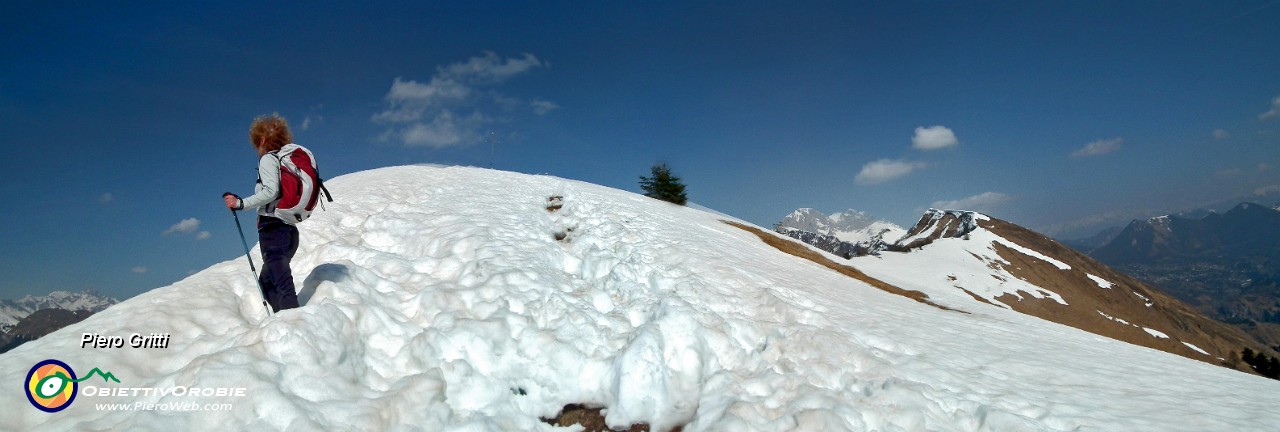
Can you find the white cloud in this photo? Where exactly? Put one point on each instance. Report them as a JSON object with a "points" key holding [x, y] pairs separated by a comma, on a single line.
{"points": [[489, 68], [1229, 172], [1273, 113], [980, 202], [409, 101], [445, 130], [1260, 168], [203, 235], [541, 107], [139, 269], [933, 138], [189, 225], [432, 114], [884, 170], [311, 121], [106, 198], [1099, 147], [1219, 134], [1267, 190]]}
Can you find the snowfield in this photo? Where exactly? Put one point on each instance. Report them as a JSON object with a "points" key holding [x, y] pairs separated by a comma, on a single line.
{"points": [[439, 298], [948, 264]]}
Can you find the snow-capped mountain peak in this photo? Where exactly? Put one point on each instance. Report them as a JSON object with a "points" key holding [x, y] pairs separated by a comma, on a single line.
{"points": [[850, 226], [850, 220], [12, 311], [936, 224], [808, 219]]}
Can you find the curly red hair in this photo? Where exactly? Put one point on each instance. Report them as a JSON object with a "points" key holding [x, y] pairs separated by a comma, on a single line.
{"points": [[269, 133]]}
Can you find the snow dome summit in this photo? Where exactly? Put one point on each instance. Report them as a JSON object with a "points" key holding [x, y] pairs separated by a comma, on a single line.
{"points": [[136, 340]]}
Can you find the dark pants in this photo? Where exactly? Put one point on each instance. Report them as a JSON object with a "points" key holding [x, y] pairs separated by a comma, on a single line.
{"points": [[279, 242]]}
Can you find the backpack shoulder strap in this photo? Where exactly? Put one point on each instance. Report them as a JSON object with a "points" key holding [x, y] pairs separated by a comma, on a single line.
{"points": [[279, 167], [320, 182], [278, 162], [273, 156]]}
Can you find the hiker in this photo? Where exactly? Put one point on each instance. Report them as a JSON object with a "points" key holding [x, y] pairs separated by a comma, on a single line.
{"points": [[279, 240]]}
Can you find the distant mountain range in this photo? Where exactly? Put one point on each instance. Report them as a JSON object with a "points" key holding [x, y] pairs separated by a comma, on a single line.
{"points": [[1227, 265], [32, 317], [848, 233], [1246, 231]]}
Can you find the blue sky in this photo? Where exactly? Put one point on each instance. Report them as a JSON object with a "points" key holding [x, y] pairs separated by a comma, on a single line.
{"points": [[122, 125]]}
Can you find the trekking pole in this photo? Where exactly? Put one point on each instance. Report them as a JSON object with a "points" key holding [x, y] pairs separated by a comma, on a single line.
{"points": [[250, 258]]}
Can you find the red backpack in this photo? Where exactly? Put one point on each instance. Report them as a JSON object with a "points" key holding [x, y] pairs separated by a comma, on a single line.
{"points": [[300, 184]]}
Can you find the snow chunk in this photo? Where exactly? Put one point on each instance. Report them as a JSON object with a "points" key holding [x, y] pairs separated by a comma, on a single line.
{"points": [[1196, 348], [1145, 299], [1121, 321], [658, 379], [1102, 283], [1156, 333], [1029, 252]]}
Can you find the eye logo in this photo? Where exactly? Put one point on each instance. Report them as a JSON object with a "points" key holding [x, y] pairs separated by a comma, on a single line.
{"points": [[51, 386]]}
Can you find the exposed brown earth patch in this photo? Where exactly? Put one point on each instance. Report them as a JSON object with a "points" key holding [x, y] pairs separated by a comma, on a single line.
{"points": [[802, 250], [592, 419], [975, 296], [1267, 333]]}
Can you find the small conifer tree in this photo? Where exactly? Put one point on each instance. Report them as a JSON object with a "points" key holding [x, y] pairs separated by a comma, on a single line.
{"points": [[663, 185]]}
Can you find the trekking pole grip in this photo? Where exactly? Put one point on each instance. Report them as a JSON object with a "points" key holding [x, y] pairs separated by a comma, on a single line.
{"points": [[227, 194]]}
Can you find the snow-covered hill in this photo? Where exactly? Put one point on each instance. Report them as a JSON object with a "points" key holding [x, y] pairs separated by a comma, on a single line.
{"points": [[455, 299], [12, 311], [967, 254]]}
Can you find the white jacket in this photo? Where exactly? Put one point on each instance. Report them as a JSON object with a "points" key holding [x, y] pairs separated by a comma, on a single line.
{"points": [[266, 194]]}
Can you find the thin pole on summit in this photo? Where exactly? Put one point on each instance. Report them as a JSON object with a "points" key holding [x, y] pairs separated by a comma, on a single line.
{"points": [[250, 258], [492, 141]]}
